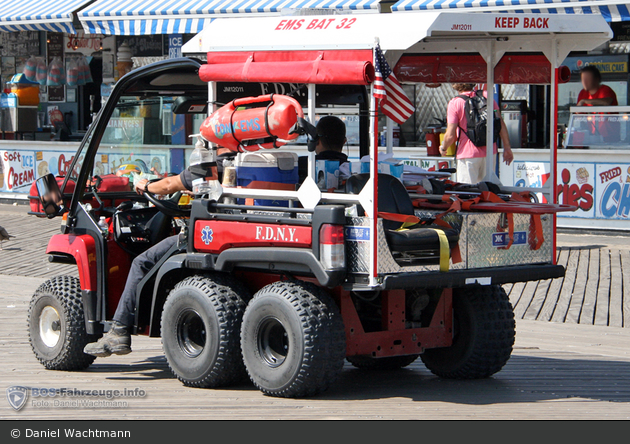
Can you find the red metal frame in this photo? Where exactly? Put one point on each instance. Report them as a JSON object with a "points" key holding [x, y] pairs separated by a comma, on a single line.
{"points": [[395, 339]]}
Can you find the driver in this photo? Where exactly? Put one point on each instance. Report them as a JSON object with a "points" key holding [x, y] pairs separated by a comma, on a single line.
{"points": [[118, 339]]}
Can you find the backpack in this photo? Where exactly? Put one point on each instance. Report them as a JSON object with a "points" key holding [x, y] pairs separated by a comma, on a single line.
{"points": [[476, 110]]}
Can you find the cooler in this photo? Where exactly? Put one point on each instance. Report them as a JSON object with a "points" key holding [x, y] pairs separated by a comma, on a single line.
{"points": [[270, 167]]}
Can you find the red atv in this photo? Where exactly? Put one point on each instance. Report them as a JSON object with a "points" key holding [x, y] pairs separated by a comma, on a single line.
{"points": [[282, 293]]}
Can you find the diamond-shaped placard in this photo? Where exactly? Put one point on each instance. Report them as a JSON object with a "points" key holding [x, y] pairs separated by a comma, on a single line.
{"points": [[366, 197], [309, 194]]}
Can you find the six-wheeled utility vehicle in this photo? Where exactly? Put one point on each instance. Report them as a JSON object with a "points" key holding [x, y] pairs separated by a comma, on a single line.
{"points": [[379, 272]]}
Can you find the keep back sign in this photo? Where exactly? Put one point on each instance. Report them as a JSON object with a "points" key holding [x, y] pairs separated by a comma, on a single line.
{"points": [[520, 22]]}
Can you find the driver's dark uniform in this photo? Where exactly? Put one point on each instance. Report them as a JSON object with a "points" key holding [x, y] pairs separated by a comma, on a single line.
{"points": [[118, 339], [141, 265]]}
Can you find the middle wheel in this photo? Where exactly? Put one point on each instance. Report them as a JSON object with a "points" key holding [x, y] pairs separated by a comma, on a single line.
{"points": [[201, 321], [292, 339]]}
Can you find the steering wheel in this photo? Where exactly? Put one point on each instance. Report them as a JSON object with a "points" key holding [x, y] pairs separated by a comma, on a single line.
{"points": [[167, 206]]}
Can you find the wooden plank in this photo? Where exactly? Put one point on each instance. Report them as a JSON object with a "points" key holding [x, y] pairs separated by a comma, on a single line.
{"points": [[516, 293], [625, 267], [553, 294], [602, 304], [525, 299], [538, 300], [564, 298], [587, 315], [577, 294], [615, 317]]}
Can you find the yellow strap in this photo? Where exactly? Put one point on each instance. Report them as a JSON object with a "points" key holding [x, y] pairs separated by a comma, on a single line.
{"points": [[444, 250]]}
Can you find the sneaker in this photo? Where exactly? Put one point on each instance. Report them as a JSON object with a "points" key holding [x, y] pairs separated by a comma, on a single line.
{"points": [[116, 341]]}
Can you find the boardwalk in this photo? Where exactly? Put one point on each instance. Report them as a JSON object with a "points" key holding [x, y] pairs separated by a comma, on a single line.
{"points": [[557, 371], [594, 291]]}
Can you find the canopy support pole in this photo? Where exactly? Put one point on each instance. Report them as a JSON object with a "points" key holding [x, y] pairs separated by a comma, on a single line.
{"points": [[490, 175], [311, 118], [390, 136], [553, 143]]}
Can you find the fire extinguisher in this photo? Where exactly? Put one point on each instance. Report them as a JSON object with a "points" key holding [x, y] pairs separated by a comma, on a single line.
{"points": [[252, 123]]}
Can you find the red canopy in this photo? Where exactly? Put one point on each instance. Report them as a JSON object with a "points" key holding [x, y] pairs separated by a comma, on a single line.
{"points": [[511, 69], [320, 67]]}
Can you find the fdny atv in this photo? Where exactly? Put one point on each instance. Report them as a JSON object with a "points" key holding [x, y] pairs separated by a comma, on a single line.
{"points": [[377, 272]]}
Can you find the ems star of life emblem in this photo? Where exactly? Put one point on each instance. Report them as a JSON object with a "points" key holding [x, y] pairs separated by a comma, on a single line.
{"points": [[206, 235], [17, 396]]}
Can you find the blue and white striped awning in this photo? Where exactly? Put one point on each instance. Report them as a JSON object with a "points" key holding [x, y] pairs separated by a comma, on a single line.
{"points": [[137, 17], [39, 15], [611, 10]]}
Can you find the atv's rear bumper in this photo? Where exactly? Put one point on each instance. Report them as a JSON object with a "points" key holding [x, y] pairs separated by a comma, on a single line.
{"points": [[482, 276]]}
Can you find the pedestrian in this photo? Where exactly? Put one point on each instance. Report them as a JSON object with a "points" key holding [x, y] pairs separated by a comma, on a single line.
{"points": [[471, 159]]}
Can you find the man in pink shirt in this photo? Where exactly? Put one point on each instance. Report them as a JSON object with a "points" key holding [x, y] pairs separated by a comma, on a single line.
{"points": [[471, 159]]}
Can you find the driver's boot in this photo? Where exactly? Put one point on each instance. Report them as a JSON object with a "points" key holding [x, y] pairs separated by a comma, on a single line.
{"points": [[116, 341]]}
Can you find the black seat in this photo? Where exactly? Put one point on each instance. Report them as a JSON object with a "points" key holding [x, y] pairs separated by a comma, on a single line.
{"points": [[417, 244]]}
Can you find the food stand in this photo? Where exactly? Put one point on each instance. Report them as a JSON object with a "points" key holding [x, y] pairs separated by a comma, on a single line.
{"points": [[593, 169]]}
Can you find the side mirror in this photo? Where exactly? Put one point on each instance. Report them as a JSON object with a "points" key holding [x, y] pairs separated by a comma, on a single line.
{"points": [[50, 195]]}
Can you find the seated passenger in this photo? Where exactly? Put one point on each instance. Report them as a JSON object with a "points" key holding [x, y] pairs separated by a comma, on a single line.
{"points": [[331, 137]]}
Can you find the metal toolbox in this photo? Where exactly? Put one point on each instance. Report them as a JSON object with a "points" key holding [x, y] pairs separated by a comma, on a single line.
{"points": [[482, 242]]}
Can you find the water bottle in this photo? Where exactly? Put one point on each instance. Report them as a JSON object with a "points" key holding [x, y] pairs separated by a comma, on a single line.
{"points": [[102, 224], [204, 157]]}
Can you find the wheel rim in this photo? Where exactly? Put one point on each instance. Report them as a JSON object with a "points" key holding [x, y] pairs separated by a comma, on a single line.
{"points": [[49, 326], [191, 333], [273, 342]]}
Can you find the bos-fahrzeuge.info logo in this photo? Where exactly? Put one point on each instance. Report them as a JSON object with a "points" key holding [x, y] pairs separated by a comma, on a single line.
{"points": [[17, 396]]}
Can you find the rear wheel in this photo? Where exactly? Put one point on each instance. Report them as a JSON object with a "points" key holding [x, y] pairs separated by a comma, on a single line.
{"points": [[388, 363], [56, 325], [484, 331], [292, 339], [201, 321]]}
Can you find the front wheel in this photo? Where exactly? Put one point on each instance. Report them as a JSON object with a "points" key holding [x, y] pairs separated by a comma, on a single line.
{"points": [[484, 332], [292, 339], [56, 325]]}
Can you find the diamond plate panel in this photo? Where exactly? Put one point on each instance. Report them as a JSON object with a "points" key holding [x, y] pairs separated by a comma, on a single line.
{"points": [[481, 252], [358, 253]]}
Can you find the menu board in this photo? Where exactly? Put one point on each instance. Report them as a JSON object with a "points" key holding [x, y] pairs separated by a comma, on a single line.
{"points": [[143, 45], [56, 49], [19, 44]]}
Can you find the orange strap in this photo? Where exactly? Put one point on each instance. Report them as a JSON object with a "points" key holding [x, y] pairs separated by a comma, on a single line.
{"points": [[402, 218]]}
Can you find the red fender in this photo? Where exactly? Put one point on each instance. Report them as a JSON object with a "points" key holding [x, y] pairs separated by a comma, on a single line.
{"points": [[83, 249], [272, 116]]}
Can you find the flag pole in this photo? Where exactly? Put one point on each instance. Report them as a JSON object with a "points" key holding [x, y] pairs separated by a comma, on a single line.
{"points": [[374, 177]]}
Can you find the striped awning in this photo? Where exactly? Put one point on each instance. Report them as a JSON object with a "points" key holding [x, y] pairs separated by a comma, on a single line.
{"points": [[39, 15], [138, 17], [611, 10]]}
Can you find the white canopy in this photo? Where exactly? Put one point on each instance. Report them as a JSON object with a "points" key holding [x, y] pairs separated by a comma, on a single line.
{"points": [[400, 32]]}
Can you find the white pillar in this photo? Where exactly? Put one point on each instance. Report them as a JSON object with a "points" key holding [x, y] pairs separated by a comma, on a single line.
{"points": [[490, 175], [311, 118]]}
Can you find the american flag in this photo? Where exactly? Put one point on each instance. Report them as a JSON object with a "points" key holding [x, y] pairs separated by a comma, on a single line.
{"points": [[394, 102]]}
